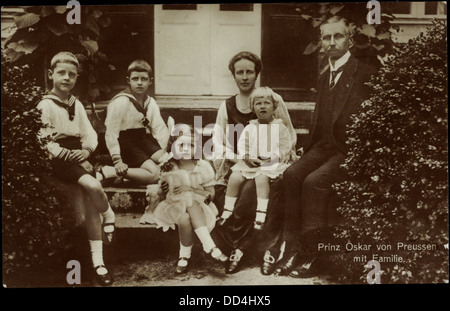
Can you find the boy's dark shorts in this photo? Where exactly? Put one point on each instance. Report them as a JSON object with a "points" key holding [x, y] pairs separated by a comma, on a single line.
{"points": [[137, 146], [65, 170]]}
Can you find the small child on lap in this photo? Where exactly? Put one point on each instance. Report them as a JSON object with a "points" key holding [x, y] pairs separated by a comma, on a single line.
{"points": [[264, 145]]}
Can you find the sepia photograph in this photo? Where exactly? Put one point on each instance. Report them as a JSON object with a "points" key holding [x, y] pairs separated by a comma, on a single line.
{"points": [[224, 144]]}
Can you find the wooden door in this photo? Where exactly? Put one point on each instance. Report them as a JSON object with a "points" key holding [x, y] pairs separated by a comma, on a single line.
{"points": [[193, 44], [234, 28]]}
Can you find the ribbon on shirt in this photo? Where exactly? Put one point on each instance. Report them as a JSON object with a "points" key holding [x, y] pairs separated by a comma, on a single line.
{"points": [[136, 105], [70, 106]]}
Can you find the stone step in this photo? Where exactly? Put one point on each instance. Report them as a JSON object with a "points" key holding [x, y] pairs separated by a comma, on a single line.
{"points": [[185, 111], [127, 199], [131, 221]]}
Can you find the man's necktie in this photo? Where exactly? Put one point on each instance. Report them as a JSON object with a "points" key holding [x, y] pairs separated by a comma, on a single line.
{"points": [[333, 77]]}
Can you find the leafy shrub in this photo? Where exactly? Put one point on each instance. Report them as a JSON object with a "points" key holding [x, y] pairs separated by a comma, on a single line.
{"points": [[32, 226], [371, 42], [398, 166], [43, 31]]}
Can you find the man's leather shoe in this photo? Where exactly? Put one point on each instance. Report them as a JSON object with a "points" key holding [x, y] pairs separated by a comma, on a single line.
{"points": [[287, 264], [233, 261], [307, 270], [268, 266]]}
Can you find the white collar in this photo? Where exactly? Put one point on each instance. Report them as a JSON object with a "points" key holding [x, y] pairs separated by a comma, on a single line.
{"points": [[274, 121], [340, 62]]}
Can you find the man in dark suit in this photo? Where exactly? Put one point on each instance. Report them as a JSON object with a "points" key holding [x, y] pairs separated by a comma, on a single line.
{"points": [[308, 182]]}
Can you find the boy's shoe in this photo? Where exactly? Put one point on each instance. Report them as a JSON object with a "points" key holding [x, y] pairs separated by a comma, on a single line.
{"points": [[108, 230], [102, 279]]}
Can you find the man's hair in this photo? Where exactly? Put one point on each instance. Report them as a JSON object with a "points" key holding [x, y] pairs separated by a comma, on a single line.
{"points": [[140, 65], [337, 19], [246, 55], [65, 58]]}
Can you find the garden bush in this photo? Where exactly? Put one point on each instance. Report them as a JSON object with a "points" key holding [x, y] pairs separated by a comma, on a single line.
{"points": [[398, 166], [33, 226]]}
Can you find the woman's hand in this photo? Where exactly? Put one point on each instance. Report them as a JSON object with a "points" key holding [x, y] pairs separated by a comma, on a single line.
{"points": [[252, 162], [179, 189], [208, 199], [165, 187]]}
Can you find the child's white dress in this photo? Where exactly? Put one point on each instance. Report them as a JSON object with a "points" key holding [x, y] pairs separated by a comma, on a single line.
{"points": [[256, 139], [167, 212]]}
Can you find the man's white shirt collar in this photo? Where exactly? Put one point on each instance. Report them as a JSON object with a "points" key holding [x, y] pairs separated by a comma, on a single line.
{"points": [[340, 62]]}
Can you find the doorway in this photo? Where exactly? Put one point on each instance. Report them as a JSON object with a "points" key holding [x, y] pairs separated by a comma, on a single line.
{"points": [[194, 43]]}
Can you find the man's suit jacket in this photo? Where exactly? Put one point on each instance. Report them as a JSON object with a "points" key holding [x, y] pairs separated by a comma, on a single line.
{"points": [[350, 93]]}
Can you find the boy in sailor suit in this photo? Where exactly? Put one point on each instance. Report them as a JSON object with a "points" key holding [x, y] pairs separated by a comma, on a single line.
{"points": [[136, 134], [74, 140]]}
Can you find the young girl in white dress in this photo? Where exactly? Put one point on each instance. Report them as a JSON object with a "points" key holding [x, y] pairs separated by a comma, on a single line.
{"points": [[189, 186], [263, 146]]}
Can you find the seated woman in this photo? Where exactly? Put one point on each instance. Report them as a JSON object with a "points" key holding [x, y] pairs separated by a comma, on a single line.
{"points": [[238, 231]]}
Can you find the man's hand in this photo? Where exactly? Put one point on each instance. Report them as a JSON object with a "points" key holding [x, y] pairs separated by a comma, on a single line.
{"points": [[121, 168], [87, 166], [78, 155]]}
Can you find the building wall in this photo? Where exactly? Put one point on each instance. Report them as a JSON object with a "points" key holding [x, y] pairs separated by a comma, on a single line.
{"points": [[190, 49], [7, 21], [416, 21]]}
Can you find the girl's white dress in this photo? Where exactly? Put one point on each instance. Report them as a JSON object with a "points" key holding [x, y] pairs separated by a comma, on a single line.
{"points": [[265, 141], [167, 212]]}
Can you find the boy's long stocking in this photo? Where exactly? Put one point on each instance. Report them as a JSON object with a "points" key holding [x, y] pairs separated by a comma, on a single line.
{"points": [[97, 255]]}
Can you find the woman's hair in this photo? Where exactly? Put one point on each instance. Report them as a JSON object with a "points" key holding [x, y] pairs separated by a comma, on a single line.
{"points": [[140, 65], [246, 55], [64, 57], [263, 91]]}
